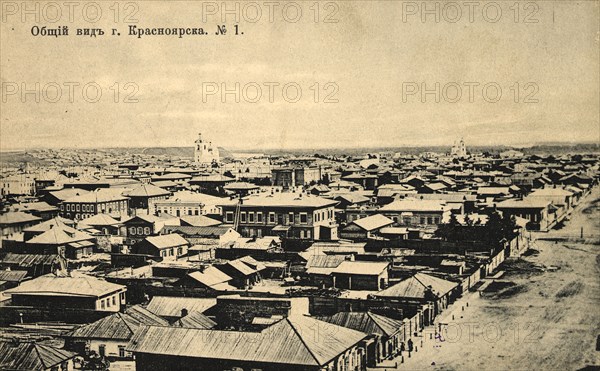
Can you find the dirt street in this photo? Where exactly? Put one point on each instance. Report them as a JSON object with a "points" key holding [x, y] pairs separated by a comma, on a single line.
{"points": [[545, 312]]}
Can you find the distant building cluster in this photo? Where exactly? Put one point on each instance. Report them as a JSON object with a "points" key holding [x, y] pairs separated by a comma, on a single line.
{"points": [[202, 261]]}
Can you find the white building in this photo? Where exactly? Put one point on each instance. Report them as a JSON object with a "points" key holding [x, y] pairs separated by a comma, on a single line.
{"points": [[459, 149], [204, 152]]}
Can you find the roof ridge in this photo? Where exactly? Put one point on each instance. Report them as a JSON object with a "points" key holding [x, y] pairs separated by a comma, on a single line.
{"points": [[302, 340], [418, 280], [35, 346]]}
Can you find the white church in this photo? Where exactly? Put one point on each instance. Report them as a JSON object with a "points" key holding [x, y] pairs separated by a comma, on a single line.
{"points": [[459, 149], [204, 152]]}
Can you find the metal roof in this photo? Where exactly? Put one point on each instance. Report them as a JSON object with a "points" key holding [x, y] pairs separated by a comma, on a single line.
{"points": [[51, 284], [366, 322], [31, 356], [417, 285], [167, 306], [296, 340]]}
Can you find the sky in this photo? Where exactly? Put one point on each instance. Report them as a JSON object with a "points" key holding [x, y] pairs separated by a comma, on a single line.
{"points": [[353, 73]]}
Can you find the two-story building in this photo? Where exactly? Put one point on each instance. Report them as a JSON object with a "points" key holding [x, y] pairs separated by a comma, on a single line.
{"points": [[102, 201], [289, 215]]}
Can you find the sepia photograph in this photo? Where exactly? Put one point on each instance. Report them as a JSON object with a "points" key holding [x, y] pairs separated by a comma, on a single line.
{"points": [[320, 185]]}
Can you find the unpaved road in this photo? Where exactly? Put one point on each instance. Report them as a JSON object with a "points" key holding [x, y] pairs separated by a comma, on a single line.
{"points": [[548, 321]]}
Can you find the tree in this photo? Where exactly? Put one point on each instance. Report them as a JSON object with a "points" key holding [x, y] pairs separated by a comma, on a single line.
{"points": [[449, 231]]}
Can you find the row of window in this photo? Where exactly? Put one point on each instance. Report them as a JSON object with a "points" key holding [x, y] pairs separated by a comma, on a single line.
{"points": [[171, 252], [91, 207], [106, 303], [257, 217], [142, 231]]}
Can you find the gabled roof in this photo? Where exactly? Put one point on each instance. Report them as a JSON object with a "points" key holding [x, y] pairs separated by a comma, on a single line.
{"points": [[100, 195], [212, 231], [289, 341], [373, 222], [167, 306], [414, 205], [65, 194], [28, 260], [100, 220], [44, 226], [166, 241], [353, 197], [59, 235], [118, 326], [526, 203], [367, 322], [39, 206], [289, 200], [147, 190], [550, 192], [211, 276], [12, 275], [199, 221], [417, 285], [196, 320], [361, 267], [31, 356], [83, 286], [17, 217], [240, 186]]}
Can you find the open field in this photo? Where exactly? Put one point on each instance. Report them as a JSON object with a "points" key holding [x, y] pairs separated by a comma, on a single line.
{"points": [[543, 312]]}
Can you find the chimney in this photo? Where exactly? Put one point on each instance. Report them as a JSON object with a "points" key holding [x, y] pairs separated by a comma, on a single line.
{"points": [[184, 312]]}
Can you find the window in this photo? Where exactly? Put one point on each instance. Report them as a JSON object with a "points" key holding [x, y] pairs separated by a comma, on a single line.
{"points": [[122, 351], [243, 217], [290, 218], [229, 217], [102, 304], [132, 231], [114, 301], [77, 207], [259, 217], [308, 234], [272, 218], [179, 251], [146, 230], [140, 230], [303, 218]]}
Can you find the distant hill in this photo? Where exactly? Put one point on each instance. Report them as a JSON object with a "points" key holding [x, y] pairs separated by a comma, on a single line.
{"points": [[184, 152]]}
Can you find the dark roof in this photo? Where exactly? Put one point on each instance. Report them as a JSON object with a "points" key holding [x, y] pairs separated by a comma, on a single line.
{"points": [[196, 231], [12, 275], [31, 356], [28, 260]]}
